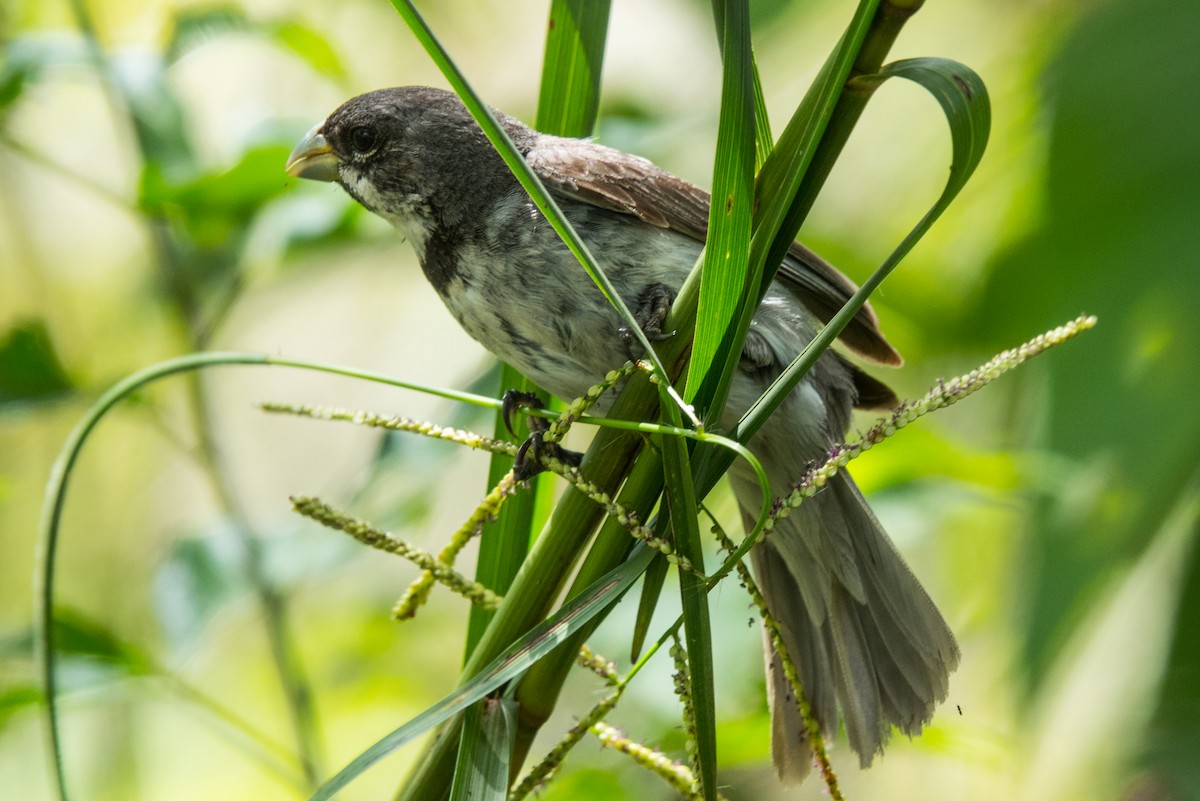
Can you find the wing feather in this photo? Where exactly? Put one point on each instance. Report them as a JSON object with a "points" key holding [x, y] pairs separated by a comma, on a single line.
{"points": [[617, 181]]}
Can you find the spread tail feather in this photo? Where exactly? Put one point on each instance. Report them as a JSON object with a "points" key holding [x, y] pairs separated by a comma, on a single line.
{"points": [[864, 635]]}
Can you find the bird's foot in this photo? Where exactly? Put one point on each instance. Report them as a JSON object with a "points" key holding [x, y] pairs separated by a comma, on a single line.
{"points": [[534, 451], [653, 307]]}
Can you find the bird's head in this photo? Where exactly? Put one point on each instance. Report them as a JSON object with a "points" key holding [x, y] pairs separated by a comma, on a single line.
{"points": [[413, 155]]}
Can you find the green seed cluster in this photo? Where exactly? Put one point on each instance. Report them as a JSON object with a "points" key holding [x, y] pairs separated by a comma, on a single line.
{"points": [[379, 539]]}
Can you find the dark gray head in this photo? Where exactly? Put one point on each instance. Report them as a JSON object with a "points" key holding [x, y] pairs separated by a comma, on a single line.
{"points": [[413, 155]]}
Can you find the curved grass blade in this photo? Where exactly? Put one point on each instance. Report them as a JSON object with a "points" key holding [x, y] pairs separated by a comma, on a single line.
{"points": [[538, 642], [51, 519], [964, 100], [59, 482]]}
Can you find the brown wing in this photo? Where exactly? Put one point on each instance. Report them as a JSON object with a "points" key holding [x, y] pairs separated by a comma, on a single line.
{"points": [[618, 181]]}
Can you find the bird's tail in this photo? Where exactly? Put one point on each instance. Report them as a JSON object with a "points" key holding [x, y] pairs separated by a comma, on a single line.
{"points": [[864, 635]]}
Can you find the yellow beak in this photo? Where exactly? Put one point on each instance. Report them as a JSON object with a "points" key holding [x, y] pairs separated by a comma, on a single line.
{"points": [[313, 158]]}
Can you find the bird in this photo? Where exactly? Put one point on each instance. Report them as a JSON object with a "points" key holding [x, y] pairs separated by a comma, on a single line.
{"points": [[871, 648]]}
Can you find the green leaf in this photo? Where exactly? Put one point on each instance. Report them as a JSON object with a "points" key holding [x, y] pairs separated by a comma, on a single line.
{"points": [[652, 584], [570, 90], [540, 688], [785, 190], [78, 636], [778, 189], [198, 577], [29, 366], [726, 274], [215, 207], [484, 751], [159, 123], [16, 698], [514, 661], [1173, 739], [1116, 235]]}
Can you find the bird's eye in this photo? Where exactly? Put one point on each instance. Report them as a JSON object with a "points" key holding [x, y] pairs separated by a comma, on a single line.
{"points": [[363, 138]]}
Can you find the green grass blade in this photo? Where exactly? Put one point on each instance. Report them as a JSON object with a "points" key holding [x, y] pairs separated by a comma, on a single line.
{"points": [[763, 141], [797, 167], [484, 751], [570, 93], [51, 520], [964, 101], [816, 134], [652, 584], [525, 175], [505, 542], [541, 686], [527, 650], [567, 106], [724, 278], [680, 496], [779, 179]]}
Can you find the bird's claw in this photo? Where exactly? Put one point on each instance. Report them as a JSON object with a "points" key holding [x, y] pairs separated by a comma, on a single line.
{"points": [[516, 399], [531, 456], [654, 305]]}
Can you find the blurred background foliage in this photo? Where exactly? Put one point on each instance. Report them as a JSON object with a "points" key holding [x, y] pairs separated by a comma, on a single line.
{"points": [[145, 214]]}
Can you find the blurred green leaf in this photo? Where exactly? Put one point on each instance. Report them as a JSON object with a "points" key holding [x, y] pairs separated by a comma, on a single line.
{"points": [[79, 635], [202, 574], [1117, 238], [591, 784], [196, 579], [26, 57], [196, 27], [1173, 740], [16, 698], [13, 77], [158, 117], [230, 194], [310, 45], [29, 366]]}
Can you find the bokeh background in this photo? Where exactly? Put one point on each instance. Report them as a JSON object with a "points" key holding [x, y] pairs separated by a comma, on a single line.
{"points": [[1053, 517]]}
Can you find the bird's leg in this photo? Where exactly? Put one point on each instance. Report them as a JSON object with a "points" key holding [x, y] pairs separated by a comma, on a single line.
{"points": [[651, 313], [530, 455]]}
